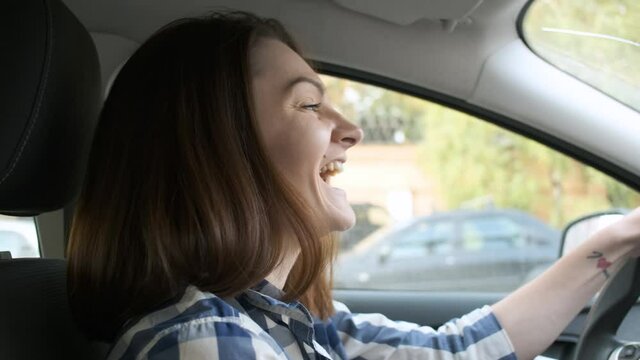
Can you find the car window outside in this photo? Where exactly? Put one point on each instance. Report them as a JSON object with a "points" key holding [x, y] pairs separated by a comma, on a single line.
{"points": [[445, 201], [18, 236], [424, 238], [491, 233], [596, 41]]}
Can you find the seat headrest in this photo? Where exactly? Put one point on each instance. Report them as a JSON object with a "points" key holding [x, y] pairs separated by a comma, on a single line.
{"points": [[49, 103]]}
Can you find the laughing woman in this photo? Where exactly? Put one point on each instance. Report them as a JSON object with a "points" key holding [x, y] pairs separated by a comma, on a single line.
{"points": [[204, 228]]}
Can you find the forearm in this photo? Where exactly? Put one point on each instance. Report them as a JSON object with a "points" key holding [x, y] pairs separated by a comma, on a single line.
{"points": [[476, 335], [536, 314]]}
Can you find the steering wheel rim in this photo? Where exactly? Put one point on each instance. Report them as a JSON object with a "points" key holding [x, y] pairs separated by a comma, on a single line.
{"points": [[619, 294]]}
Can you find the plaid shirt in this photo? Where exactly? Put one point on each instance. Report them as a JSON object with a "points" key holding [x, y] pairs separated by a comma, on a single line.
{"points": [[256, 325]]}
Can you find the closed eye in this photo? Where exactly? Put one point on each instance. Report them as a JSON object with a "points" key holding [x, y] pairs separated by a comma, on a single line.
{"points": [[312, 107]]}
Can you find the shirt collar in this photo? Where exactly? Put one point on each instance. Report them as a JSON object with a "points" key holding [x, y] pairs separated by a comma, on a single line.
{"points": [[266, 288], [267, 296]]}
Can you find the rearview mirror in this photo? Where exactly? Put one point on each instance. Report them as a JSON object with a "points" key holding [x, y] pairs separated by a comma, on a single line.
{"points": [[581, 229]]}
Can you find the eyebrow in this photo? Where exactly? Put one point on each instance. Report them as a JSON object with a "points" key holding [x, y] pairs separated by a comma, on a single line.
{"points": [[303, 79]]}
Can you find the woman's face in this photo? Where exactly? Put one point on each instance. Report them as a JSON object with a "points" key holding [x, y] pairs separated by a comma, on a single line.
{"points": [[305, 137]]}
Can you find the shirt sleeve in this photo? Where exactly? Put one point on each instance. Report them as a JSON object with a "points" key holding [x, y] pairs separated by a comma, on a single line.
{"points": [[212, 341], [475, 336]]}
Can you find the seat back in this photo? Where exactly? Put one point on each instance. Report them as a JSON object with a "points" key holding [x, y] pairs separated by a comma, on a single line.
{"points": [[35, 321], [49, 104]]}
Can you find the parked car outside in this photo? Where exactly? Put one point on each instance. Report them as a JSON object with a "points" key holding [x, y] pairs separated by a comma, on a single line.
{"points": [[466, 250], [369, 218]]}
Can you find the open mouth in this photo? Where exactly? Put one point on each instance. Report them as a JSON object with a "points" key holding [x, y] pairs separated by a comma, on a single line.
{"points": [[331, 169]]}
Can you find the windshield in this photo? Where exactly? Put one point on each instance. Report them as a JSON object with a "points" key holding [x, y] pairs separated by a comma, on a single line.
{"points": [[597, 41]]}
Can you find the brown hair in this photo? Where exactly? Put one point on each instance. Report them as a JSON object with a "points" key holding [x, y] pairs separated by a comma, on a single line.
{"points": [[179, 189]]}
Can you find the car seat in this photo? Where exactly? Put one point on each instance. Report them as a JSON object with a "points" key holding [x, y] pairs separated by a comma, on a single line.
{"points": [[49, 103]]}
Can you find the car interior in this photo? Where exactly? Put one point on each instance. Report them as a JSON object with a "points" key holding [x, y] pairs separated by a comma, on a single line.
{"points": [[469, 55]]}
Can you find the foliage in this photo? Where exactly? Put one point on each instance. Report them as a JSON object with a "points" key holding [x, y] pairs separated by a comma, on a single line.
{"points": [[385, 116]]}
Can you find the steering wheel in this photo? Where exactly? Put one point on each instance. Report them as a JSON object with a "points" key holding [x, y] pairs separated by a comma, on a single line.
{"points": [[619, 294]]}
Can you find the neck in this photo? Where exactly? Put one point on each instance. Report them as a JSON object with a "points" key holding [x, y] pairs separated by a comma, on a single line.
{"points": [[279, 275]]}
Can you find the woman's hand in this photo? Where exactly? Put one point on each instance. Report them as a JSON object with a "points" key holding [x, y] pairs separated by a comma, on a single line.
{"points": [[627, 232], [536, 314]]}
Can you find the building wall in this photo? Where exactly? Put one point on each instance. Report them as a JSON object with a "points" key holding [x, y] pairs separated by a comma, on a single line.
{"points": [[388, 176]]}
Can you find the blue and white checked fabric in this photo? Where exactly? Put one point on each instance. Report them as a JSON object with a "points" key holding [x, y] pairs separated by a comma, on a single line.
{"points": [[256, 325]]}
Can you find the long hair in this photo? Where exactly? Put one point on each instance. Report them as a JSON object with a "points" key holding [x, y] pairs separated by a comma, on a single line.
{"points": [[179, 189]]}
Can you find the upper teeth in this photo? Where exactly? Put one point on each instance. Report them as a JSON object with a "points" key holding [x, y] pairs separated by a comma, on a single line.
{"points": [[334, 166]]}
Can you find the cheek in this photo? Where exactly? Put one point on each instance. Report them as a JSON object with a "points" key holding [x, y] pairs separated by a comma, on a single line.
{"points": [[297, 150], [295, 156], [294, 141]]}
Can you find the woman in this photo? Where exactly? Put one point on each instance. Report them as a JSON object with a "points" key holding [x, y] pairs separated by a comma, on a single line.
{"points": [[206, 214]]}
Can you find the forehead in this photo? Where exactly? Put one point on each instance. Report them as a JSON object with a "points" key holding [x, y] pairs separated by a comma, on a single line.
{"points": [[273, 60]]}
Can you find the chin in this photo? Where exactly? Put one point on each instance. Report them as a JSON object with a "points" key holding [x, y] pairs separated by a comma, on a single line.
{"points": [[345, 221]]}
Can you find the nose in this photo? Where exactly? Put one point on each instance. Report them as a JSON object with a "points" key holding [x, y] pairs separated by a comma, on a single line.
{"points": [[346, 133]]}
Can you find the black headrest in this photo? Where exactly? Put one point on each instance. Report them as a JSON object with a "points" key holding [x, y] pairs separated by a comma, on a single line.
{"points": [[49, 102]]}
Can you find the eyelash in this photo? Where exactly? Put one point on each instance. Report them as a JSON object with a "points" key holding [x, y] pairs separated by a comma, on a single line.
{"points": [[312, 107]]}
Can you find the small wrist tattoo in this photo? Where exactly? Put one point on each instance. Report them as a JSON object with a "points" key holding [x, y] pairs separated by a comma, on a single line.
{"points": [[602, 264]]}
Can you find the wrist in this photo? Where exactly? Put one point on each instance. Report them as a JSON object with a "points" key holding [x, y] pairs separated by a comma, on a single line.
{"points": [[615, 240]]}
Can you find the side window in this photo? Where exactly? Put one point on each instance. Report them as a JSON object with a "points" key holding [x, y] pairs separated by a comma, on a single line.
{"points": [[18, 236], [423, 239], [492, 233], [505, 198]]}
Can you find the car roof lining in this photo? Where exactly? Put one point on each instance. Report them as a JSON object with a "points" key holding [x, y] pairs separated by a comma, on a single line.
{"points": [[448, 62]]}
